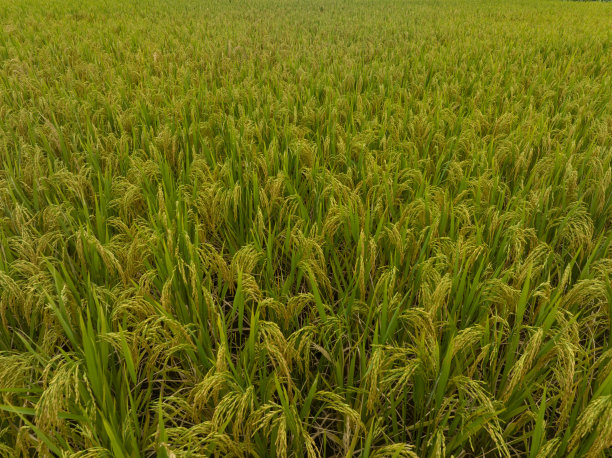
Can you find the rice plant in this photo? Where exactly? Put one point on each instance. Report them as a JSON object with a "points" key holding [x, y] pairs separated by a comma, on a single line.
{"points": [[305, 229]]}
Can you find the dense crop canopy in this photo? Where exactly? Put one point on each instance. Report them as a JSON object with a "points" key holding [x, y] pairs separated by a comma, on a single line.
{"points": [[305, 228]]}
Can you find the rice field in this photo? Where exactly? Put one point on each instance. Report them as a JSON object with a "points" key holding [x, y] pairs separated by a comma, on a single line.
{"points": [[305, 228]]}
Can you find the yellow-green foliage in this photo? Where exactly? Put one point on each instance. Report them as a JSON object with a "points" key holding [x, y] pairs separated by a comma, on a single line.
{"points": [[305, 228]]}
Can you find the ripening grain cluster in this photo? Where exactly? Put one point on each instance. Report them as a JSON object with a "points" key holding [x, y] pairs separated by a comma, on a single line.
{"points": [[284, 228]]}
